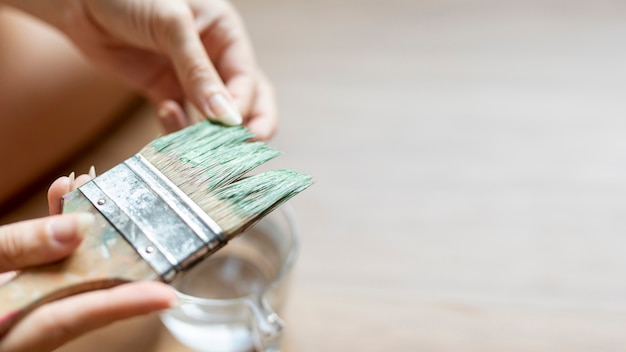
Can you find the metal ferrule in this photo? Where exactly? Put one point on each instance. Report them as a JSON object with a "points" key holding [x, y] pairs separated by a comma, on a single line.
{"points": [[166, 228]]}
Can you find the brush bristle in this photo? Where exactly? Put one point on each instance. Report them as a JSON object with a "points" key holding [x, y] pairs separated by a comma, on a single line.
{"points": [[207, 162], [253, 197], [206, 154]]}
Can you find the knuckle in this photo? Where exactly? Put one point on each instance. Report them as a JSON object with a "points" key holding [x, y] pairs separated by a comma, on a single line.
{"points": [[174, 19], [227, 31], [11, 247], [196, 72], [171, 24], [54, 321]]}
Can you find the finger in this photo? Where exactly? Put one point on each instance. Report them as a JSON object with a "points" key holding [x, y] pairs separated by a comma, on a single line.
{"points": [[56, 323], [57, 189], [62, 186], [171, 116], [40, 241], [264, 115], [81, 180], [242, 88], [229, 47], [5, 277], [198, 77]]}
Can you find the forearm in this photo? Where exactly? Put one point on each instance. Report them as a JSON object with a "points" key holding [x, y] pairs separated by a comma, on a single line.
{"points": [[52, 103], [53, 11]]}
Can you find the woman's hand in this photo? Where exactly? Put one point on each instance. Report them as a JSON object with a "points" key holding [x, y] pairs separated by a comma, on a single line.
{"points": [[173, 51], [49, 239]]}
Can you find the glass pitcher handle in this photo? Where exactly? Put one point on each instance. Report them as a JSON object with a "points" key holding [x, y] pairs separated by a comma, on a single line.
{"points": [[267, 326]]}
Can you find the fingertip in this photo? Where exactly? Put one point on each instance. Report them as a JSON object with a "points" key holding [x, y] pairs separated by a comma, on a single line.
{"points": [[171, 116], [57, 189], [67, 231], [60, 185], [40, 241], [263, 129], [242, 88], [223, 110], [157, 295], [81, 180], [217, 108], [264, 120]]}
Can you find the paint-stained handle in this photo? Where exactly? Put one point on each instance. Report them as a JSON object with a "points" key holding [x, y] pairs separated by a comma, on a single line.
{"points": [[104, 259]]}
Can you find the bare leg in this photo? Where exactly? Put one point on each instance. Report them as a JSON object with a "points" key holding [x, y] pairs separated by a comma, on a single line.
{"points": [[51, 102]]}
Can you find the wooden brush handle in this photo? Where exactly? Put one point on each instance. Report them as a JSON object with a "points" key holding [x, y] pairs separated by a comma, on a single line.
{"points": [[104, 259]]}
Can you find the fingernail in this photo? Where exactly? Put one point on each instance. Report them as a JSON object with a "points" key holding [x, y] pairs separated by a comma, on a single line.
{"points": [[163, 113], [92, 172], [223, 110], [175, 303], [84, 222], [65, 229], [72, 177]]}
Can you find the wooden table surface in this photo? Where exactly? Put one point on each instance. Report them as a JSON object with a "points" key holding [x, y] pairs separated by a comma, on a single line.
{"points": [[470, 167]]}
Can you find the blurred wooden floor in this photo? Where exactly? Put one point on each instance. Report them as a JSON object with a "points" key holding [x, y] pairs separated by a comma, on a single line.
{"points": [[470, 166]]}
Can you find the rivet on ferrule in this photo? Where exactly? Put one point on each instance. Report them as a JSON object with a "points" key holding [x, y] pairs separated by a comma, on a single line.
{"points": [[166, 228]]}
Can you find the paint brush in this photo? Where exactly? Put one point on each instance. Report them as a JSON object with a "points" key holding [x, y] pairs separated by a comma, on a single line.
{"points": [[158, 213]]}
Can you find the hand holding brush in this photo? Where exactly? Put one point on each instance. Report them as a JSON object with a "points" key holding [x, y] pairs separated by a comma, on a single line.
{"points": [[157, 214], [46, 240]]}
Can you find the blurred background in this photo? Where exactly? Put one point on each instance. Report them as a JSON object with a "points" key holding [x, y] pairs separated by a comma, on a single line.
{"points": [[470, 168]]}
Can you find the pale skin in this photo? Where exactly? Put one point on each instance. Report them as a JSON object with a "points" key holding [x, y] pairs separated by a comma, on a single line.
{"points": [[49, 239], [170, 51], [59, 89]]}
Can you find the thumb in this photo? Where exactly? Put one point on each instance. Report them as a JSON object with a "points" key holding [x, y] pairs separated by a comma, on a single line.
{"points": [[197, 75], [56, 323], [40, 241]]}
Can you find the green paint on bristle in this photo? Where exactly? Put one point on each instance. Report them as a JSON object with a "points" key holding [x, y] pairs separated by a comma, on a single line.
{"points": [[207, 162], [204, 132], [237, 160], [207, 153], [255, 196]]}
